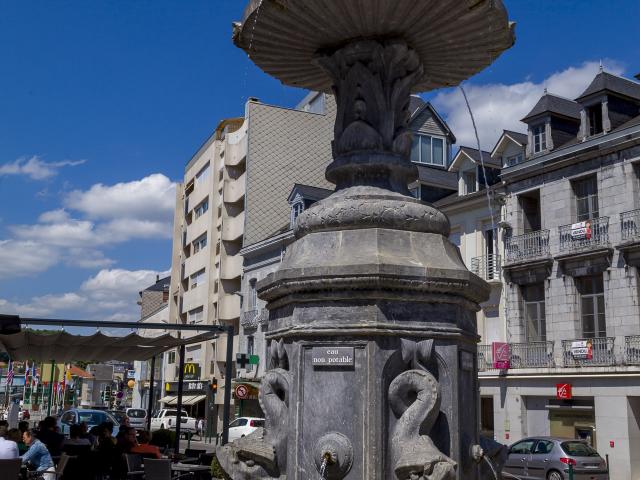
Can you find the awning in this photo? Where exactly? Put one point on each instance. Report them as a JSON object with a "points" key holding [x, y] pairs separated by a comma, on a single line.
{"points": [[186, 399], [63, 347]]}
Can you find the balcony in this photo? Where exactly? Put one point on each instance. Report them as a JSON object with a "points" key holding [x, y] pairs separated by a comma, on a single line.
{"points": [[521, 355], [234, 189], [233, 228], [630, 226], [487, 267], [632, 350], [589, 352], [527, 247], [255, 317], [584, 236]]}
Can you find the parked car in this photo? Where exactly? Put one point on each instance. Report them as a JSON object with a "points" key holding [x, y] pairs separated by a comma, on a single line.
{"points": [[548, 458], [137, 417], [243, 426], [166, 418], [90, 417]]}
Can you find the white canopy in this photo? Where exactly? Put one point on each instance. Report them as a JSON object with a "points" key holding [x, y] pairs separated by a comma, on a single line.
{"points": [[63, 347]]}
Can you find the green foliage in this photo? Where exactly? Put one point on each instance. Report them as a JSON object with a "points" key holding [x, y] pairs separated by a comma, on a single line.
{"points": [[163, 438], [217, 471]]}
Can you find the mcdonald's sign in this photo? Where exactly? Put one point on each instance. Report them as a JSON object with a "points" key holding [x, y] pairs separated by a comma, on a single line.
{"points": [[191, 371]]}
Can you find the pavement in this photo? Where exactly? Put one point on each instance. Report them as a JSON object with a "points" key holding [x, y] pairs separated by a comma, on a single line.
{"points": [[198, 445]]}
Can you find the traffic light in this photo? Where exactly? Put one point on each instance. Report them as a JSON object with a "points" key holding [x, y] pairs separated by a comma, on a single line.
{"points": [[214, 386]]}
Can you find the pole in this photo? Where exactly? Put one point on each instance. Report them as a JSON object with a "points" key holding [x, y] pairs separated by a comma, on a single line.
{"points": [[227, 386], [179, 403], [151, 380], [571, 476], [53, 367]]}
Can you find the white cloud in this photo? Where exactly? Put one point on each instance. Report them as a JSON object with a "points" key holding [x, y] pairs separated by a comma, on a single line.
{"points": [[110, 295], [498, 107], [35, 168], [54, 216], [24, 258], [123, 229], [87, 258], [152, 198], [67, 233]]}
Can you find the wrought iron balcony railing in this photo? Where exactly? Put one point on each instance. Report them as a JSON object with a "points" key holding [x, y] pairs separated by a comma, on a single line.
{"points": [[585, 235], [531, 355], [253, 318], [486, 267], [593, 352], [630, 225], [632, 350], [528, 246]]}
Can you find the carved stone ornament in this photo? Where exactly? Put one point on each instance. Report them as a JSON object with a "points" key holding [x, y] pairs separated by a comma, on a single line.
{"points": [[263, 454], [372, 82]]}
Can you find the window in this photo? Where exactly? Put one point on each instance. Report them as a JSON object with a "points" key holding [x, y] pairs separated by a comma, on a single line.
{"points": [[198, 278], [196, 315], [514, 160], [171, 357], [202, 208], [534, 313], [252, 298], [591, 290], [239, 422], [250, 350], [539, 138], [469, 180], [543, 447], [428, 149], [199, 243], [586, 193], [296, 209], [203, 174], [522, 448], [595, 119], [193, 353]]}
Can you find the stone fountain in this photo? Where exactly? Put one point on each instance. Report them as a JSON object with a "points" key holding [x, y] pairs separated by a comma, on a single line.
{"points": [[372, 331]]}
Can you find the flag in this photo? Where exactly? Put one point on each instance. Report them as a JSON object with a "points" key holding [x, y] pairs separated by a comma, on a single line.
{"points": [[10, 373], [26, 372]]}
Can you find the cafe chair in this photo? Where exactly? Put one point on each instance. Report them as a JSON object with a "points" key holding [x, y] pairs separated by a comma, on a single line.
{"points": [[155, 469], [10, 469], [135, 470]]}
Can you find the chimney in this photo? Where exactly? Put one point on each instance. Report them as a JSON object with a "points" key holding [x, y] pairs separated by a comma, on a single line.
{"points": [[157, 278]]}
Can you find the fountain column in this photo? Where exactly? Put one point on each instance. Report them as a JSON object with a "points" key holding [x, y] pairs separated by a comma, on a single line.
{"points": [[372, 333]]}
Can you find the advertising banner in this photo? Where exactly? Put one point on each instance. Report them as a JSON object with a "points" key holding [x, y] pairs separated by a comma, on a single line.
{"points": [[501, 355], [582, 349]]}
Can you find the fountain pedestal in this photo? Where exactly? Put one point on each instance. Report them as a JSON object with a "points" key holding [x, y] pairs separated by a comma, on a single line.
{"points": [[372, 328]]}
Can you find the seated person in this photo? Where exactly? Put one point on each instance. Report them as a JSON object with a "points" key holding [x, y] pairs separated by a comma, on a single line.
{"points": [[75, 437], [38, 456], [144, 448], [15, 435], [8, 448], [50, 437]]}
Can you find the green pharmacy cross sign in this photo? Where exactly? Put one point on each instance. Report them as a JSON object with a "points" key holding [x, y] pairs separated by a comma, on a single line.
{"points": [[242, 359]]}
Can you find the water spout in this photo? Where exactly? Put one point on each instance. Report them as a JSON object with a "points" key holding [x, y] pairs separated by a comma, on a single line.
{"points": [[323, 467], [491, 466]]}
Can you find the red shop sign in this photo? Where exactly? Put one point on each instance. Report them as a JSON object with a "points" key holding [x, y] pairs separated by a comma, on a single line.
{"points": [[563, 391]]}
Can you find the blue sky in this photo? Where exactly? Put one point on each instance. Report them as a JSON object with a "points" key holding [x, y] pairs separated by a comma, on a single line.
{"points": [[102, 103]]}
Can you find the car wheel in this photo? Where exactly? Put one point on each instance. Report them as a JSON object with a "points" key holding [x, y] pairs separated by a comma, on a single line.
{"points": [[554, 475]]}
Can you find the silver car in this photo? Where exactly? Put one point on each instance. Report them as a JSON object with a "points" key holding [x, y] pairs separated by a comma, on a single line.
{"points": [[549, 458]]}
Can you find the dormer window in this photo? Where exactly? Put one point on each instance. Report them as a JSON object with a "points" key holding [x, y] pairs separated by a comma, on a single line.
{"points": [[297, 207], [595, 119], [539, 138], [514, 160], [428, 149], [469, 179]]}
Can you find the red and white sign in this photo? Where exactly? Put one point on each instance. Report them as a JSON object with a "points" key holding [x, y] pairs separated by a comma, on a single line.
{"points": [[581, 231], [242, 392], [582, 349], [563, 391], [501, 355]]}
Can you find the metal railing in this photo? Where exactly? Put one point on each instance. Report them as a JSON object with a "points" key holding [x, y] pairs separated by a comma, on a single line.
{"points": [[531, 355], [255, 317], [632, 350], [485, 358], [486, 267], [575, 237], [630, 225], [528, 246], [593, 352]]}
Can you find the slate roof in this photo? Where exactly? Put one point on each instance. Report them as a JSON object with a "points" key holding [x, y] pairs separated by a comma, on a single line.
{"points": [[160, 285], [519, 137], [605, 81], [437, 177], [475, 156], [554, 104], [309, 192], [286, 147]]}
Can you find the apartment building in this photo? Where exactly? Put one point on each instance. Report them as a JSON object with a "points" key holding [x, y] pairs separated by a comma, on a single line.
{"points": [[570, 360], [243, 167]]}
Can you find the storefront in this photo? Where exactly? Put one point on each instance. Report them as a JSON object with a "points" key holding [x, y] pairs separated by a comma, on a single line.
{"points": [[194, 394]]}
